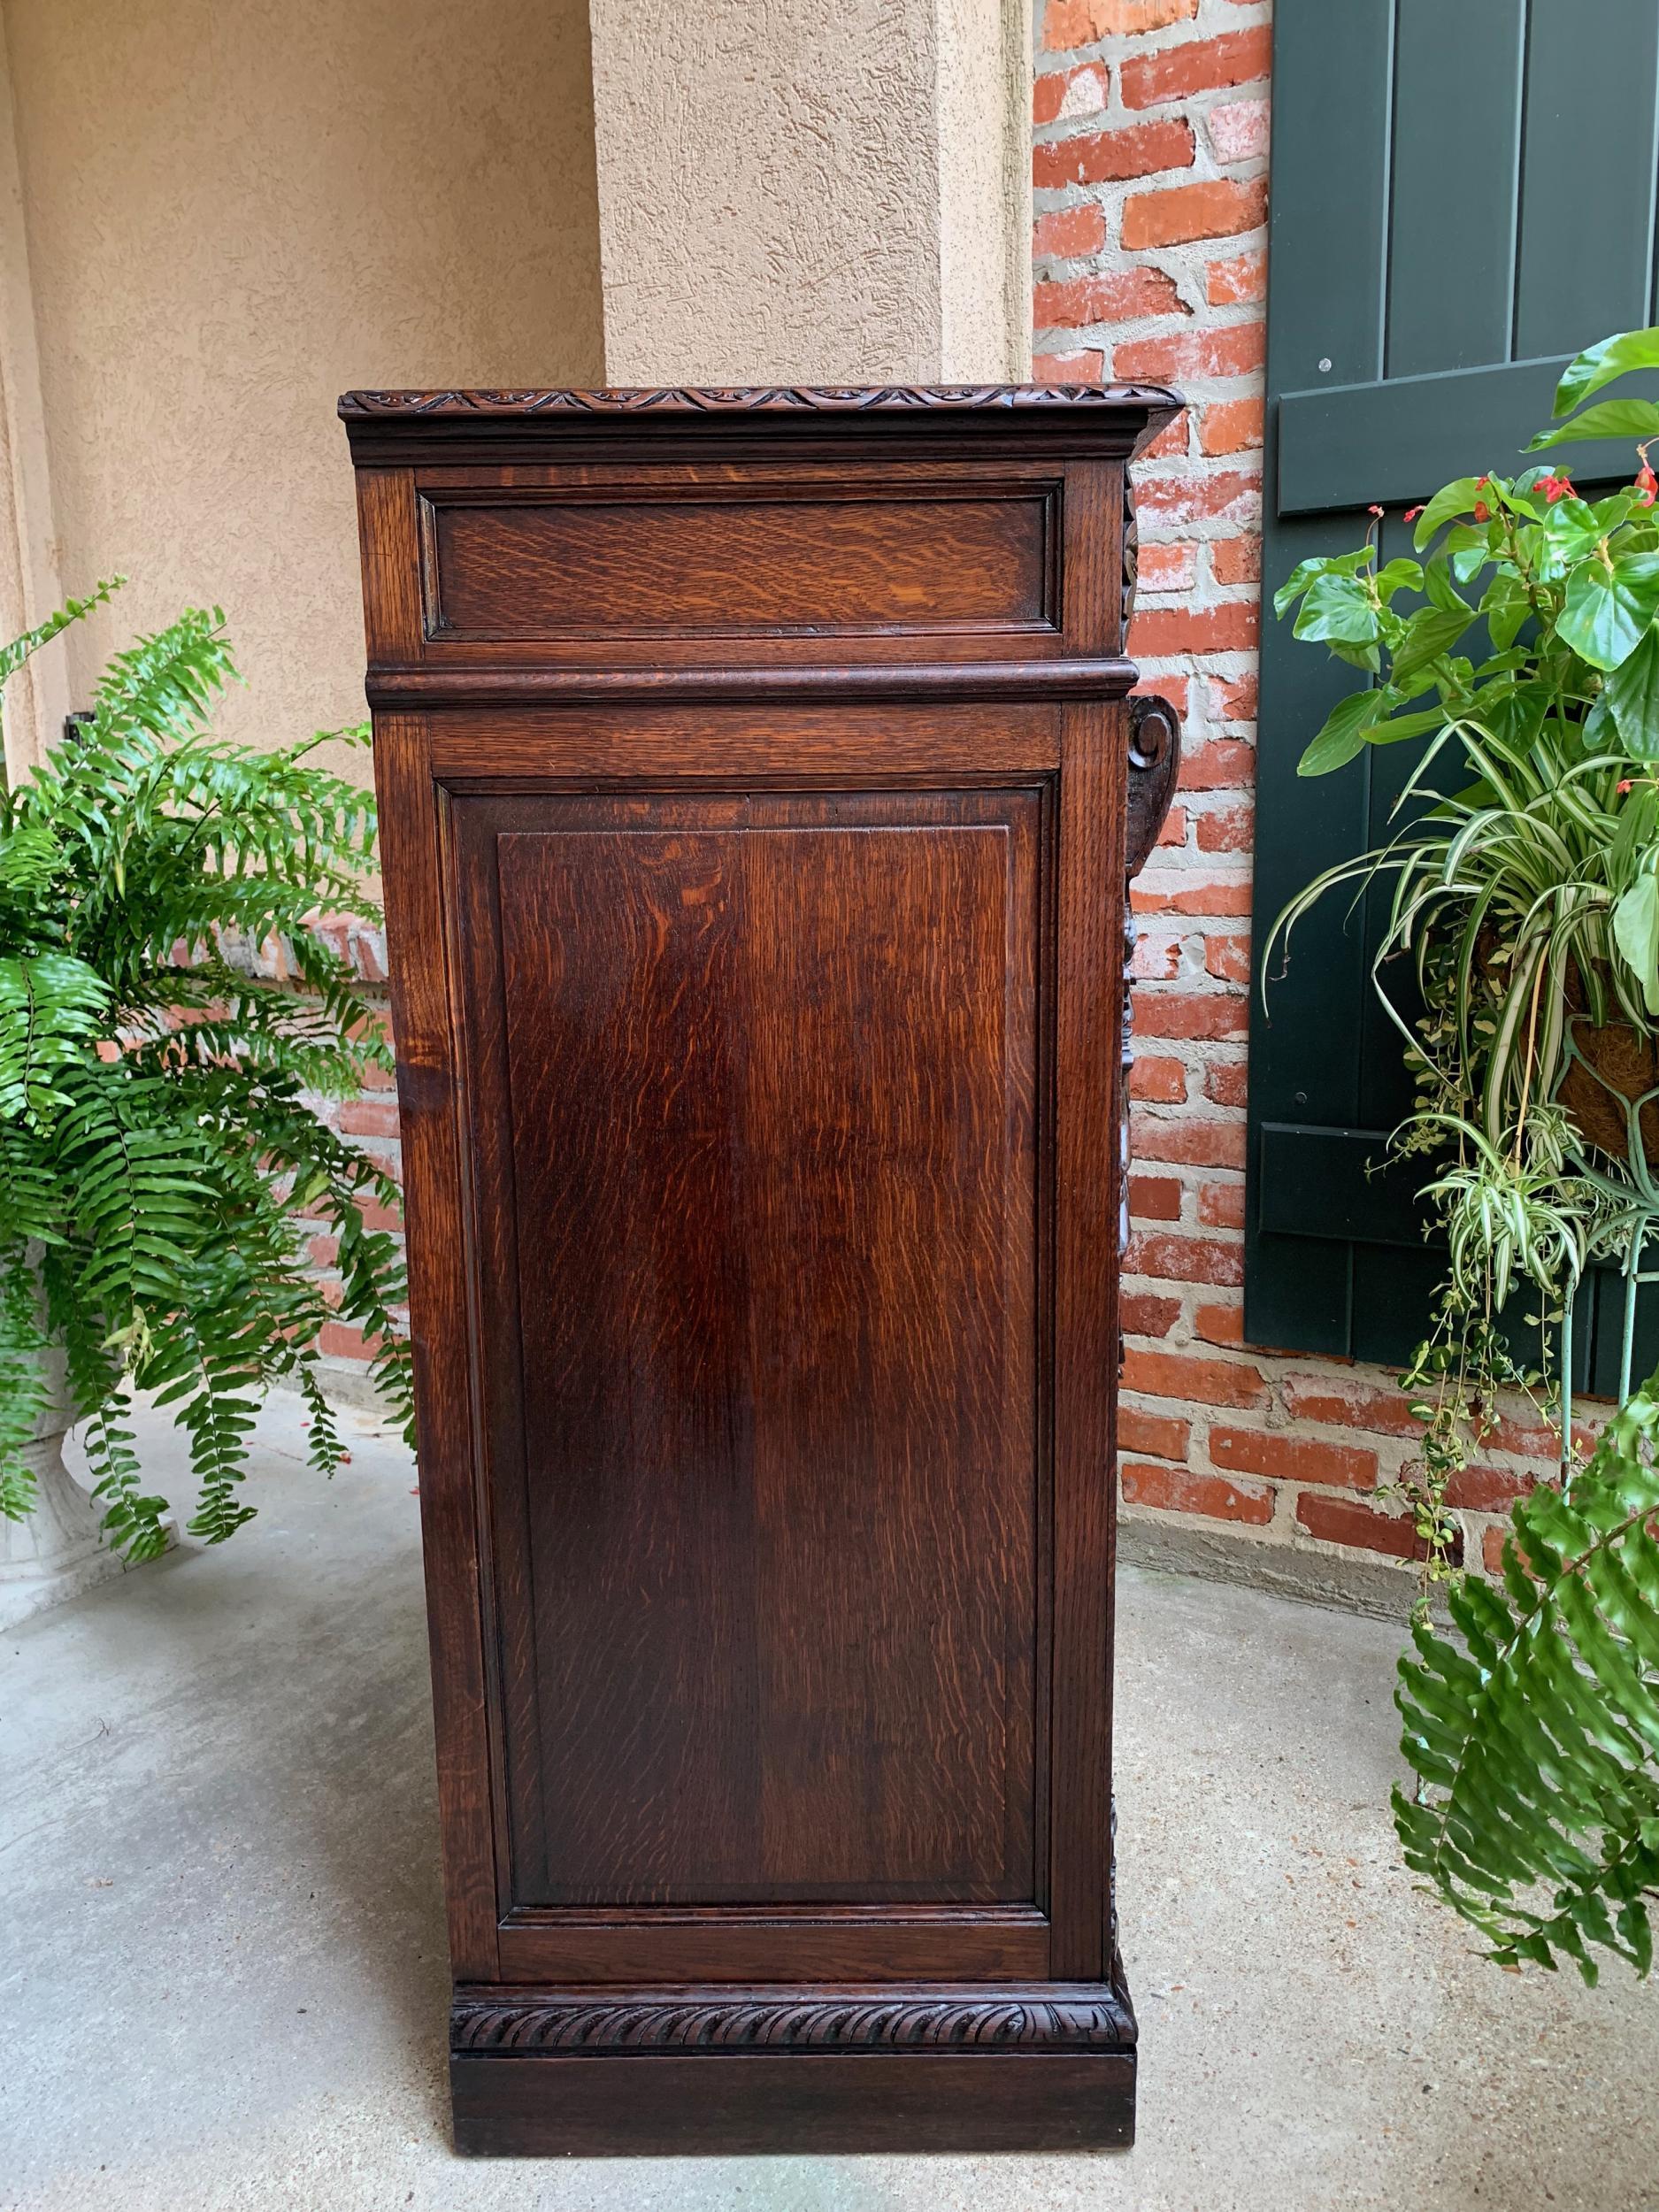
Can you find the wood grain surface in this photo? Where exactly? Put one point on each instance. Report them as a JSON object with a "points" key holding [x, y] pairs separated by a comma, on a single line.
{"points": [[757, 1082], [753, 772], [829, 560]]}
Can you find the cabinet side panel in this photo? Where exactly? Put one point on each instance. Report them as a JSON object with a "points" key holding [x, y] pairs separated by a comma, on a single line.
{"points": [[766, 1119]]}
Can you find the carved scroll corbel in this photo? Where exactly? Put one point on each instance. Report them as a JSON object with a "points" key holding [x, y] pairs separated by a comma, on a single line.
{"points": [[1155, 764]]}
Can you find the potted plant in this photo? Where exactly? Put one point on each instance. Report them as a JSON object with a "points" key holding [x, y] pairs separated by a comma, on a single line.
{"points": [[1521, 649], [158, 1142]]}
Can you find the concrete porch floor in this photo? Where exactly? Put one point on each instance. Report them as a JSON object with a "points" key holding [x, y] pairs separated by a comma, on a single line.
{"points": [[223, 1980]]}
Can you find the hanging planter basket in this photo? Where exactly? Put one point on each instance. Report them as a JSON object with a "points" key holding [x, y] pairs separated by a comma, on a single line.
{"points": [[1609, 1070]]}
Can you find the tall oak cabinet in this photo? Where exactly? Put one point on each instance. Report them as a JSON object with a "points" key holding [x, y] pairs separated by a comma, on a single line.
{"points": [[759, 788]]}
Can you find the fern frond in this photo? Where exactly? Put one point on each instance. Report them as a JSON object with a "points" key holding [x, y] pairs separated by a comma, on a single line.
{"points": [[1536, 1744], [167, 1185], [219, 1420], [13, 654], [53, 1009], [22, 1378], [323, 1447], [133, 1522]]}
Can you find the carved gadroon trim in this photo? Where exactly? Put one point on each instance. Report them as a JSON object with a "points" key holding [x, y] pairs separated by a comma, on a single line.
{"points": [[777, 398], [743, 2020]]}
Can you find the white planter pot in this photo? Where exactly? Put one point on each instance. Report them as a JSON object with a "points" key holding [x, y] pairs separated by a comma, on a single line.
{"points": [[58, 1551]]}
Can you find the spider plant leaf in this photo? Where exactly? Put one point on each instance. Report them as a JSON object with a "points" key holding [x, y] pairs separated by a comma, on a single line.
{"points": [[1488, 753], [1500, 1070], [1467, 954], [1415, 782], [1633, 697]]}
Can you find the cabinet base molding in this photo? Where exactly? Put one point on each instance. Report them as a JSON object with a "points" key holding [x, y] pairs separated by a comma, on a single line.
{"points": [[719, 2069]]}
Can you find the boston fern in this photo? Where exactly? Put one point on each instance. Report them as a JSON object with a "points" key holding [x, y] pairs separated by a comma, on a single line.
{"points": [[158, 1150], [1536, 1745]]}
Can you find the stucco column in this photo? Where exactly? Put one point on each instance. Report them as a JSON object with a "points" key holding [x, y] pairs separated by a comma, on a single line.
{"points": [[792, 193], [37, 697]]}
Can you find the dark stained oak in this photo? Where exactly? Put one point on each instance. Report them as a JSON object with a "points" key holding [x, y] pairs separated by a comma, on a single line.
{"points": [[755, 775], [834, 558], [772, 1175], [843, 2101]]}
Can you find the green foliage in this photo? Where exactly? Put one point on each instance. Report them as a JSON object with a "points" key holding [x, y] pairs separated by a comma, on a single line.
{"points": [[1596, 367], [158, 1144], [1526, 903], [1535, 1738], [1530, 895]]}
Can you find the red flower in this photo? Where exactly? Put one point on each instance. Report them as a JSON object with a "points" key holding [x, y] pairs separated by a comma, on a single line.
{"points": [[1412, 513], [1648, 484], [1483, 513], [1554, 487], [1373, 511], [1623, 787]]}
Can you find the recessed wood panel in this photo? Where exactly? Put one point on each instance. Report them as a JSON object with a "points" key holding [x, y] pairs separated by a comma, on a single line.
{"points": [[754, 1084], [834, 563]]}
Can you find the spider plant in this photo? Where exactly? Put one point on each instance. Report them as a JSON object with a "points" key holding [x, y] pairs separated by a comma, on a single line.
{"points": [[1526, 902], [1521, 649]]}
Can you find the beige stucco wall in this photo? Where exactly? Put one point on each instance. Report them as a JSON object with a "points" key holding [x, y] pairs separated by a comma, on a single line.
{"points": [[214, 218], [233, 214], [813, 195], [983, 103]]}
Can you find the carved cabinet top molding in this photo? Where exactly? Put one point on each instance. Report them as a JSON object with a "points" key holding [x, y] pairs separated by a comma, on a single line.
{"points": [[759, 784], [430, 427], [776, 398]]}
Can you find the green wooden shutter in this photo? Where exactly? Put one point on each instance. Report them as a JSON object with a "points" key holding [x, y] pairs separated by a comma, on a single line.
{"points": [[1463, 195]]}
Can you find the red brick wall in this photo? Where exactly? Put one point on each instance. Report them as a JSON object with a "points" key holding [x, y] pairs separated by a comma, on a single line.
{"points": [[1149, 168]]}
